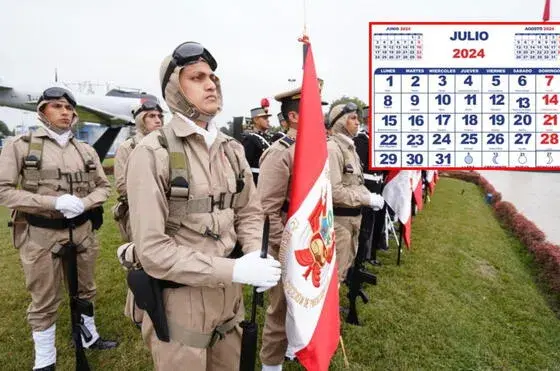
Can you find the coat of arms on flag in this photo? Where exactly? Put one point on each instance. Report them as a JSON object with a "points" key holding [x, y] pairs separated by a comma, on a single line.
{"points": [[321, 243]]}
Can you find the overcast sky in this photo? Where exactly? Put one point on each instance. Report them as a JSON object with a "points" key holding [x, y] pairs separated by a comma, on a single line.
{"points": [[122, 42]]}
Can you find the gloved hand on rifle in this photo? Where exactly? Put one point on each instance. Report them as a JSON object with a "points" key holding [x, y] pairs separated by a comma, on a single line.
{"points": [[69, 205], [376, 201], [253, 270]]}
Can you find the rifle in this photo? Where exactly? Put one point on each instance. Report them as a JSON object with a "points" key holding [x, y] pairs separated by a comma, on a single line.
{"points": [[77, 306], [250, 328], [357, 274]]}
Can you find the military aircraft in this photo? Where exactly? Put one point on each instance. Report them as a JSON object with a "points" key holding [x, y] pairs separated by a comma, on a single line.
{"points": [[112, 110]]}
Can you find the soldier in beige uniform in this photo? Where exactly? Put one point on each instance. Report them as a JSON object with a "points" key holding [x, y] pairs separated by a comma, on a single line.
{"points": [[348, 190], [186, 238], [148, 117], [42, 206], [276, 165]]}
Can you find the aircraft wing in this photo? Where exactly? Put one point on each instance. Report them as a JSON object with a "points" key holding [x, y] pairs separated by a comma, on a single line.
{"points": [[2, 87], [91, 114]]}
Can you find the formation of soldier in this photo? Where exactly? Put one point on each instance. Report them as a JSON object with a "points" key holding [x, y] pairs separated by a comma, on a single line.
{"points": [[188, 195]]}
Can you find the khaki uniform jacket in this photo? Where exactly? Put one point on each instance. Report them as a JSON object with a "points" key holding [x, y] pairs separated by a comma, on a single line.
{"points": [[189, 257], [276, 166], [346, 173], [67, 159], [121, 157]]}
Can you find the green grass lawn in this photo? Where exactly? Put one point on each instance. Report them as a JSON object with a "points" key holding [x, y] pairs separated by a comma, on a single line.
{"points": [[109, 162], [464, 298]]}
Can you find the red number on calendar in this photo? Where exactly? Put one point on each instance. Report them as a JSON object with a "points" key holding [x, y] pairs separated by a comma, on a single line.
{"points": [[468, 53], [550, 99], [549, 138], [548, 79], [550, 120]]}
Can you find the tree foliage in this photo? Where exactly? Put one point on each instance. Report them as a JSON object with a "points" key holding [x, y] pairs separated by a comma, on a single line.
{"points": [[344, 99], [4, 130]]}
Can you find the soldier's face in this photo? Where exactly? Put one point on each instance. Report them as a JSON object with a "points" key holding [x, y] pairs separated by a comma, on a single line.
{"points": [[59, 113], [353, 124], [198, 84], [262, 123], [153, 120]]}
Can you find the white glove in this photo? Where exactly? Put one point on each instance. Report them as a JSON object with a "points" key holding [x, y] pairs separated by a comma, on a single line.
{"points": [[376, 202], [253, 270], [69, 205]]}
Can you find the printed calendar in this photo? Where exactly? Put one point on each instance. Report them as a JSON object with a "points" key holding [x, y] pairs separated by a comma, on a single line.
{"points": [[465, 95]]}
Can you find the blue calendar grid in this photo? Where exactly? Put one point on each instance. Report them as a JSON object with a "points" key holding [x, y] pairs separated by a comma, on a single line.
{"points": [[537, 46], [461, 117], [397, 46]]}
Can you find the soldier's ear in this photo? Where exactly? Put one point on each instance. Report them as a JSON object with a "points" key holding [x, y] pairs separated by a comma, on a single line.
{"points": [[293, 116]]}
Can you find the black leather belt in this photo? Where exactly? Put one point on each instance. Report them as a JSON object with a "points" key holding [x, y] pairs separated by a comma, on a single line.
{"points": [[346, 211], [42, 222]]}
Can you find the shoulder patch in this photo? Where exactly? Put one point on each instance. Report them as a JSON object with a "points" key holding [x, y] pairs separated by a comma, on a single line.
{"points": [[286, 141]]}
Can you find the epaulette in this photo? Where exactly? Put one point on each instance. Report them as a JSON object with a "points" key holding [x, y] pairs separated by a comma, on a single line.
{"points": [[286, 141]]}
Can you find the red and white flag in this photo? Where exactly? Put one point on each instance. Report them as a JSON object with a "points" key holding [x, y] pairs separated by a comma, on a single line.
{"points": [[416, 183], [398, 196], [307, 251], [432, 177]]}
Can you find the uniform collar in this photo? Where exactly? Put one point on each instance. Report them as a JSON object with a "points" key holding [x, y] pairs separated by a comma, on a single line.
{"points": [[61, 139], [184, 127], [344, 139], [292, 133]]}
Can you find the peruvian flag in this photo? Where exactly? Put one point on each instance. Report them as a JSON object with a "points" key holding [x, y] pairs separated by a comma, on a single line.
{"points": [[398, 196], [307, 252]]}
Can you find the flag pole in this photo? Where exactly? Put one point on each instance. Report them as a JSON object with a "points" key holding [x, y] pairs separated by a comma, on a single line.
{"points": [[346, 363]]}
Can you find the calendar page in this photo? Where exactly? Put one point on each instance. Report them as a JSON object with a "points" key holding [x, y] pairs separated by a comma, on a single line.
{"points": [[465, 95]]}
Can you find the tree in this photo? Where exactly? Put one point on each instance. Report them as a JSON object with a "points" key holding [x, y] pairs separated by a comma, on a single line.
{"points": [[4, 130], [344, 99]]}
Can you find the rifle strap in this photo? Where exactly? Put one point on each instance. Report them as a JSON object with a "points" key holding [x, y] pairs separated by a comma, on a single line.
{"points": [[199, 340]]}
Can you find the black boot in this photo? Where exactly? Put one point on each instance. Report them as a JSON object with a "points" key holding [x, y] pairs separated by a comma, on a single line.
{"points": [[46, 368], [102, 344]]}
